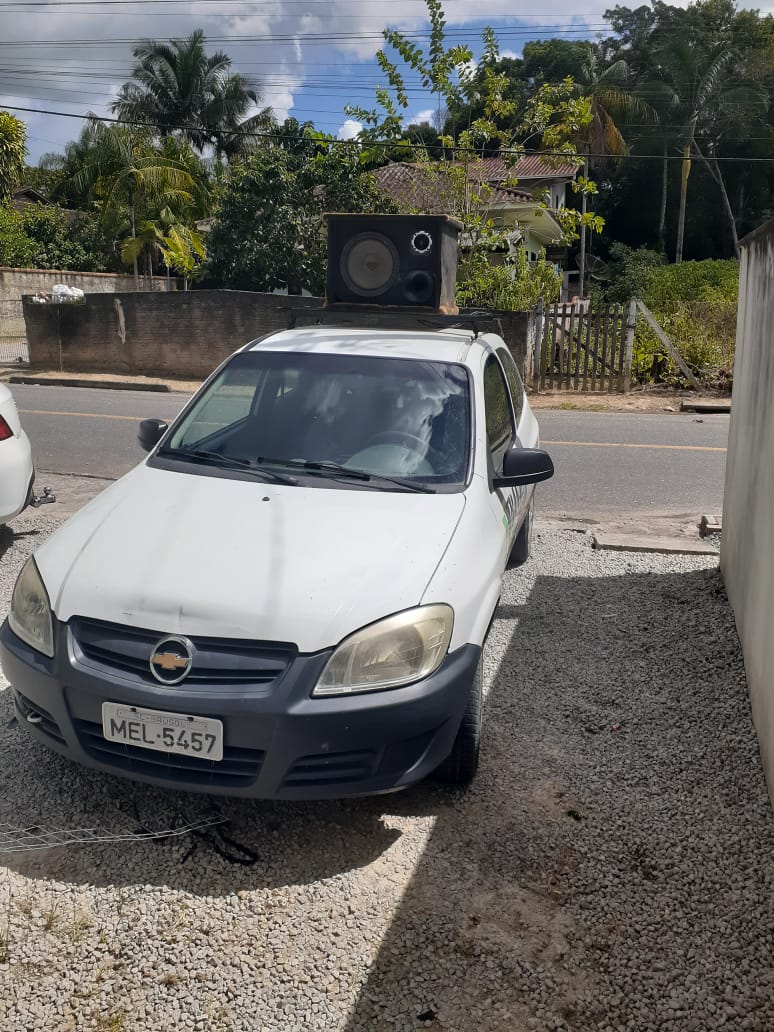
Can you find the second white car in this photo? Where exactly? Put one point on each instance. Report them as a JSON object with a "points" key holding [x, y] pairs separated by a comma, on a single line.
{"points": [[16, 470]]}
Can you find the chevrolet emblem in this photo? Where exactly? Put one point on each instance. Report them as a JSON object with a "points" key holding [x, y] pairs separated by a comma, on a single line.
{"points": [[171, 659]]}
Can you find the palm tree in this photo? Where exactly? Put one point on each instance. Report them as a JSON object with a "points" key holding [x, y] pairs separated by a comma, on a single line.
{"points": [[612, 101], [697, 80], [178, 89], [124, 172], [610, 96], [13, 150]]}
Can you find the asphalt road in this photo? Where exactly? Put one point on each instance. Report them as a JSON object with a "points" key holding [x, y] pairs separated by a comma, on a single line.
{"points": [[607, 463]]}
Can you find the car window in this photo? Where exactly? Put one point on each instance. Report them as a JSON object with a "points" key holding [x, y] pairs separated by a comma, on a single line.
{"points": [[514, 382], [227, 402], [499, 422], [384, 416]]}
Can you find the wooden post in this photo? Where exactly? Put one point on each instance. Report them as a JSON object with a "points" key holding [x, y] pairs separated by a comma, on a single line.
{"points": [[608, 315], [576, 344], [538, 345], [669, 346], [616, 360], [585, 315], [631, 322]]}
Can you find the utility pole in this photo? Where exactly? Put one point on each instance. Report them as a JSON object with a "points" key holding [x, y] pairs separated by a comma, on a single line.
{"points": [[582, 258]]}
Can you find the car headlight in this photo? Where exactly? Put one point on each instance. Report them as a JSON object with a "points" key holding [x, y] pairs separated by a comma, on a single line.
{"points": [[390, 653], [30, 615]]}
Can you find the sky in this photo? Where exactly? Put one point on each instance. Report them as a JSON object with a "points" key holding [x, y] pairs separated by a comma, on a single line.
{"points": [[313, 57]]}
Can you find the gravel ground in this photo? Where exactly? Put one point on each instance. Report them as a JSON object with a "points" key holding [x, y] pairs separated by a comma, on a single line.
{"points": [[610, 869]]}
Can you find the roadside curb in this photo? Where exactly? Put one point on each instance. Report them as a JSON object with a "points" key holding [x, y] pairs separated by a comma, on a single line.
{"points": [[643, 543], [66, 381], [706, 405]]}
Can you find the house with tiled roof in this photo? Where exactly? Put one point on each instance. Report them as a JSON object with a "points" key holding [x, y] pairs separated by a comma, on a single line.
{"points": [[533, 173], [511, 193], [26, 196]]}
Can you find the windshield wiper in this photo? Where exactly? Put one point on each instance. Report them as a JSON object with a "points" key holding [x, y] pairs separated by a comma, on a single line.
{"points": [[229, 462], [335, 469]]}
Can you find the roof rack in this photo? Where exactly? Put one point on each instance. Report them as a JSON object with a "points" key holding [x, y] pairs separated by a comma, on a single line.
{"points": [[382, 317]]}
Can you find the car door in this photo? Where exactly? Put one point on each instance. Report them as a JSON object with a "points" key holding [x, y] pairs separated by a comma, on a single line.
{"points": [[500, 435], [526, 435]]}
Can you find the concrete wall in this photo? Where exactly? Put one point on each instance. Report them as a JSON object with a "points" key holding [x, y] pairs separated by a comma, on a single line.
{"points": [[747, 550], [15, 283], [182, 334]]}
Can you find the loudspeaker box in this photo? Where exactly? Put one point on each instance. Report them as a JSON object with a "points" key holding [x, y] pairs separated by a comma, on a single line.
{"points": [[404, 261]]}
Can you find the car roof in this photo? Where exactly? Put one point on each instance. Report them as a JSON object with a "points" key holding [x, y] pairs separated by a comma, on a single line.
{"points": [[444, 345]]}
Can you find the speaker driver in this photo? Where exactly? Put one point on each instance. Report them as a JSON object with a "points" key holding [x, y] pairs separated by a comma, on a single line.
{"points": [[421, 242], [369, 264], [419, 287]]}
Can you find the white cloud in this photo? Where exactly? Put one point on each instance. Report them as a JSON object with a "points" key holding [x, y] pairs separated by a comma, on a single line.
{"points": [[423, 116], [510, 53], [349, 130]]}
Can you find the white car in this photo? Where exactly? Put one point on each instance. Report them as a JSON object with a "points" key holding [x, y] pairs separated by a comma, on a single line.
{"points": [[16, 471], [289, 597]]}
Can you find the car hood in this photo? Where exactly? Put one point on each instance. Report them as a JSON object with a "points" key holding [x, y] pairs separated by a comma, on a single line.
{"points": [[203, 555]]}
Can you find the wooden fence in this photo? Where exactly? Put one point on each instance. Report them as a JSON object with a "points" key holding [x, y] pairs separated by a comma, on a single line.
{"points": [[583, 348]]}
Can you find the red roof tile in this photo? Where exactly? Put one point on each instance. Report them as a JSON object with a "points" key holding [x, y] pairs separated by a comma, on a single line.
{"points": [[430, 190], [531, 166]]}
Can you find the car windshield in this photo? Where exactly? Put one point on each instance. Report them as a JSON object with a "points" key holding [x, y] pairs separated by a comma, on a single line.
{"points": [[388, 417]]}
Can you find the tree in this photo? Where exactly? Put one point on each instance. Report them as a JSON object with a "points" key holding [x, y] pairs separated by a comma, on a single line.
{"points": [[13, 150], [609, 91], [698, 80], [269, 229], [129, 178], [183, 250], [737, 123], [41, 236], [553, 117], [17, 250], [552, 60], [180, 90]]}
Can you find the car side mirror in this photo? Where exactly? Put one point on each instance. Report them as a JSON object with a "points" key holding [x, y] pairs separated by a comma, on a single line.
{"points": [[151, 432], [525, 466]]}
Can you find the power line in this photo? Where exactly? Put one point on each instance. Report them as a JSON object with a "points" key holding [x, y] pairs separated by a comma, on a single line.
{"points": [[386, 144], [313, 37]]}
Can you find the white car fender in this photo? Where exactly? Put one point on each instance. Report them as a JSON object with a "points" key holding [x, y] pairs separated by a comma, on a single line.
{"points": [[469, 576]]}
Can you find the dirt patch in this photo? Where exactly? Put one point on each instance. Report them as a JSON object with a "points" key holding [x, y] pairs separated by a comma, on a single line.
{"points": [[651, 400], [99, 379]]}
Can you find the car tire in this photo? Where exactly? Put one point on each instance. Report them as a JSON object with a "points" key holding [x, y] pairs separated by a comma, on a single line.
{"points": [[522, 546], [460, 766]]}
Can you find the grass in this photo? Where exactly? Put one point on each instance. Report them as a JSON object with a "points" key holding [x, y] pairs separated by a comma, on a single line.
{"points": [[593, 406]]}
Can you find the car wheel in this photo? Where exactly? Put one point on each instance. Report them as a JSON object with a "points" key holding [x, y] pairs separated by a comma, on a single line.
{"points": [[522, 546], [460, 765]]}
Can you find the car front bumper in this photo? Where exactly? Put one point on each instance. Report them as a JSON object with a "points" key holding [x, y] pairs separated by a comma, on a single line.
{"points": [[279, 743]]}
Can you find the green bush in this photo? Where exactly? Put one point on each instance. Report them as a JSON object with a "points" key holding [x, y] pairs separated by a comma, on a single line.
{"points": [[40, 237], [694, 302], [16, 249], [514, 286], [630, 271]]}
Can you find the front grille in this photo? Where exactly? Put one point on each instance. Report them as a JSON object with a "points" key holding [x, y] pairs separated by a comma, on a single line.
{"points": [[238, 768], [330, 769], [217, 661], [46, 724]]}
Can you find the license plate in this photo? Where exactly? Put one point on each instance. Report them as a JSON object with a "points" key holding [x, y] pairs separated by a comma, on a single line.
{"points": [[162, 731]]}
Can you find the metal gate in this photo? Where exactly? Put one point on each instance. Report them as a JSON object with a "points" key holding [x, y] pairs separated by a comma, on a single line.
{"points": [[13, 336], [584, 348]]}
